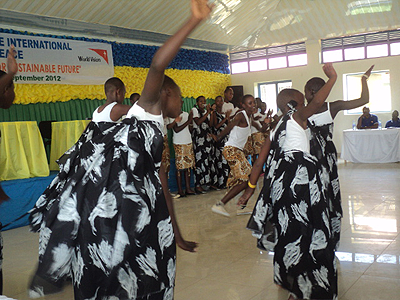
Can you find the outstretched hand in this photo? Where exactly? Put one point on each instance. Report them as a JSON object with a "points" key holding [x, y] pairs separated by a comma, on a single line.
{"points": [[368, 72], [329, 70], [201, 9], [187, 245], [12, 67]]}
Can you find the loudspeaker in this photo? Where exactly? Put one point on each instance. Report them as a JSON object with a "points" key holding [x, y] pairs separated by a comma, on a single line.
{"points": [[237, 95]]}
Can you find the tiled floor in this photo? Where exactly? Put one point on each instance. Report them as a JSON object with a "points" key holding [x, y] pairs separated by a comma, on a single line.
{"points": [[228, 264]]}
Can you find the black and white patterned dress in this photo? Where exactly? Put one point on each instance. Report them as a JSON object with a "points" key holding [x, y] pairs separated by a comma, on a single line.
{"points": [[290, 199], [323, 148], [104, 220], [204, 173], [220, 163]]}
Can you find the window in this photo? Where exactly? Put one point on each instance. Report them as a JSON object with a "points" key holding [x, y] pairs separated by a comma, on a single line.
{"points": [[268, 91], [370, 45], [241, 67], [269, 58], [379, 91]]}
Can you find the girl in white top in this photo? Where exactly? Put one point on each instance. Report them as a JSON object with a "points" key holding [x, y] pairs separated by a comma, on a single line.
{"points": [[239, 130], [184, 156], [113, 109]]}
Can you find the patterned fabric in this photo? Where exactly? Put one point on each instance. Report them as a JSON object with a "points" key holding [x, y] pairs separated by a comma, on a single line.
{"points": [[166, 157], [258, 140], [248, 147], [203, 144], [220, 163], [103, 220], [304, 258], [184, 157], [323, 148], [240, 168]]}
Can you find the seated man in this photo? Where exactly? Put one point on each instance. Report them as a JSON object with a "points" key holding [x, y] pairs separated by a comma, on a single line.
{"points": [[367, 120], [395, 121]]}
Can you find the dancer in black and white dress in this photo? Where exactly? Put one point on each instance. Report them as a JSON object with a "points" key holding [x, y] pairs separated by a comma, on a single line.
{"points": [[219, 122], [323, 148], [291, 199], [203, 146], [104, 219]]}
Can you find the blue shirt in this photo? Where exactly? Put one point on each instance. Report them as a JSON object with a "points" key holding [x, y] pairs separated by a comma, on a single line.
{"points": [[366, 122], [390, 123]]}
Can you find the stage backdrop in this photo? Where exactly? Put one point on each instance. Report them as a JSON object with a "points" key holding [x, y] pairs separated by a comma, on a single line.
{"points": [[46, 60], [196, 72]]}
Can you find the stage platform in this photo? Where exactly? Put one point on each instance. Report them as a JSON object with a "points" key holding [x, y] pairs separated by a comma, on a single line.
{"points": [[23, 195]]}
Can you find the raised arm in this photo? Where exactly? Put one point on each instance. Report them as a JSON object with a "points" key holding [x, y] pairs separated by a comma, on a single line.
{"points": [[339, 105], [150, 97], [303, 113]]}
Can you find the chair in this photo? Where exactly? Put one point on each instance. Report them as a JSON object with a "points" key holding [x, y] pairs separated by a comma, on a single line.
{"points": [[45, 131]]}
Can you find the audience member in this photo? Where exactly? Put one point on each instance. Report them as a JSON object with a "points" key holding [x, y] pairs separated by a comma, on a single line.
{"points": [[367, 120], [395, 121]]}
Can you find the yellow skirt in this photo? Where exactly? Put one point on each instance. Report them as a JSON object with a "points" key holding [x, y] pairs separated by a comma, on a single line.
{"points": [[184, 156], [240, 168], [258, 140], [248, 147]]}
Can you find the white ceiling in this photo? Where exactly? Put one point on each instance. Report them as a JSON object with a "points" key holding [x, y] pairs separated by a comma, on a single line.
{"points": [[234, 24]]}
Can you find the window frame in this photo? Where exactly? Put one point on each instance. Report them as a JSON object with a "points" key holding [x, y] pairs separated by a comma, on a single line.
{"points": [[268, 53], [361, 40]]}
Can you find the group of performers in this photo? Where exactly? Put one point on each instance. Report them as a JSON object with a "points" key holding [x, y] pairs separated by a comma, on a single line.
{"points": [[107, 219]]}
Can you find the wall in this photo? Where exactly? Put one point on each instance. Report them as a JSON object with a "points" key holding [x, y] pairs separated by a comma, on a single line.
{"points": [[300, 75]]}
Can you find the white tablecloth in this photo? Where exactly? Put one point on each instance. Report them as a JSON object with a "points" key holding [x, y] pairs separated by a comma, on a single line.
{"points": [[371, 145]]}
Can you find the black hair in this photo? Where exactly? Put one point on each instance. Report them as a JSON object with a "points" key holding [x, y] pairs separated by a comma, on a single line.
{"points": [[168, 82], [113, 83], [133, 96], [244, 98], [199, 97], [227, 89], [285, 97], [314, 84]]}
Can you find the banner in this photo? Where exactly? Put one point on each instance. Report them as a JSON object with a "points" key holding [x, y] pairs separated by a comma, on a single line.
{"points": [[46, 60]]}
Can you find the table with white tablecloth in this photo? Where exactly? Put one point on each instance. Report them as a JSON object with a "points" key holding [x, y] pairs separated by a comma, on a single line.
{"points": [[371, 145]]}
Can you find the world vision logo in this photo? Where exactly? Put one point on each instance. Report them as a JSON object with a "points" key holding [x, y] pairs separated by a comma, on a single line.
{"points": [[103, 53]]}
